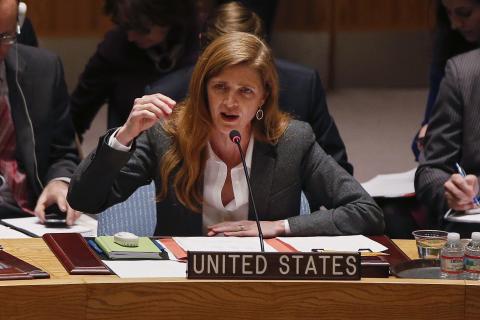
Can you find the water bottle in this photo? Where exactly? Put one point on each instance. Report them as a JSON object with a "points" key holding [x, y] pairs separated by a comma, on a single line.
{"points": [[472, 258], [451, 258]]}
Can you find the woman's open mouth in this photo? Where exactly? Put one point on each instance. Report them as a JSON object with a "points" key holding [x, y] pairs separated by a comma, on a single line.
{"points": [[229, 117]]}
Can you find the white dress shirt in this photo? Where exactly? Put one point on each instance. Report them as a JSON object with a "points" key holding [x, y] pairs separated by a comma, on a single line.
{"points": [[215, 176]]}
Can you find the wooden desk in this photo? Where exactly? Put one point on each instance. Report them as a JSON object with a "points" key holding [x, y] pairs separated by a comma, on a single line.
{"points": [[108, 297]]}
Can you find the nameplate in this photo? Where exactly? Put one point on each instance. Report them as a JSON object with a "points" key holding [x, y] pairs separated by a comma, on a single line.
{"points": [[274, 265]]}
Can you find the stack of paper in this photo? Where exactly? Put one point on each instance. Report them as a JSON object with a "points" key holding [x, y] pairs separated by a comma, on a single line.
{"points": [[146, 249]]}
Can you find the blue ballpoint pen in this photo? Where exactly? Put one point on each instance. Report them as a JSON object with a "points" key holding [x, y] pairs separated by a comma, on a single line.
{"points": [[159, 245], [95, 247], [463, 174]]}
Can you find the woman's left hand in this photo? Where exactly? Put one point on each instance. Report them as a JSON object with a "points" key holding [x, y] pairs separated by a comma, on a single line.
{"points": [[247, 228]]}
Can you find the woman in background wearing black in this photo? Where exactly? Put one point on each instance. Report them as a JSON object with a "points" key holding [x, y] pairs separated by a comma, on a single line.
{"points": [[151, 39]]}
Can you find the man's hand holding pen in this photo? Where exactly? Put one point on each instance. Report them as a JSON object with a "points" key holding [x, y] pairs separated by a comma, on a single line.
{"points": [[461, 191]]}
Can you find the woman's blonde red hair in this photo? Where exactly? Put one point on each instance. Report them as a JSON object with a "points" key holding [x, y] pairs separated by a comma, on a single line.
{"points": [[183, 164]]}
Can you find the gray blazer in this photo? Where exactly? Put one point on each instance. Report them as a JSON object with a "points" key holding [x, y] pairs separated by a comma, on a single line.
{"points": [[453, 133], [278, 175]]}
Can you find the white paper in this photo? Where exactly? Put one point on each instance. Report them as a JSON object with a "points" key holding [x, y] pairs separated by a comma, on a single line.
{"points": [[392, 185], [222, 244], [340, 243], [85, 225], [147, 268], [9, 233], [470, 216]]}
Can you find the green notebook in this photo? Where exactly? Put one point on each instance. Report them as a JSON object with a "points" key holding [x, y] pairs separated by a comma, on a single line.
{"points": [[146, 249]]}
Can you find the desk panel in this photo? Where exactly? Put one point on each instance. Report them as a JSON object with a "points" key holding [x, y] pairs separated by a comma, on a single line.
{"points": [[387, 299], [472, 300], [109, 297], [42, 299]]}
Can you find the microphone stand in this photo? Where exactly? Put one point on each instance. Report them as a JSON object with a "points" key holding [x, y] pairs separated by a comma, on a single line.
{"points": [[236, 140]]}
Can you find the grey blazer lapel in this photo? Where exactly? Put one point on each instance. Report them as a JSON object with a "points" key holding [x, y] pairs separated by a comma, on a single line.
{"points": [[261, 175]]}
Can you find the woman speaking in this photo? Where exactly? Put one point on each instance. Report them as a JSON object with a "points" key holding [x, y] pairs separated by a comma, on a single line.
{"points": [[201, 186]]}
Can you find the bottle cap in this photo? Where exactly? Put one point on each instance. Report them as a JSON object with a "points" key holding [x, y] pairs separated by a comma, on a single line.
{"points": [[125, 239], [476, 236], [453, 236]]}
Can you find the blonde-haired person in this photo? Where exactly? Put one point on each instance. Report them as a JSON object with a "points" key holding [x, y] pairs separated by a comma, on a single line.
{"points": [[197, 170]]}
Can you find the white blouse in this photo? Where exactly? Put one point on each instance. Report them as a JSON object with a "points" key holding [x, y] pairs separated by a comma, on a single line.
{"points": [[215, 176]]}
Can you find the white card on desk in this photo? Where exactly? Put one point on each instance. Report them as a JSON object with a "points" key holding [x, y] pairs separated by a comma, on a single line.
{"points": [[338, 243], [222, 244], [147, 268]]}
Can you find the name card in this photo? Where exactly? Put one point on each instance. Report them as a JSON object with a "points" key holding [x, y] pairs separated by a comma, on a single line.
{"points": [[274, 265]]}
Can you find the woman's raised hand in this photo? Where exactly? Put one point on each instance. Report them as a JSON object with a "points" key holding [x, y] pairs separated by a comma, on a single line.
{"points": [[146, 111]]}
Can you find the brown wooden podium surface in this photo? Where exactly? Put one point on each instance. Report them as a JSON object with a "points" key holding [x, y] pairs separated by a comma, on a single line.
{"points": [[109, 297]]}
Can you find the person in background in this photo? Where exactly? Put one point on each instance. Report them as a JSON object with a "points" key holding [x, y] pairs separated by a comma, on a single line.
{"points": [[151, 39], [301, 91], [457, 31], [453, 138], [37, 147], [265, 9], [27, 35], [186, 149]]}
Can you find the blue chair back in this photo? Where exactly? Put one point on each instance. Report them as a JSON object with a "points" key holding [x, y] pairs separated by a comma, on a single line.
{"points": [[137, 214]]}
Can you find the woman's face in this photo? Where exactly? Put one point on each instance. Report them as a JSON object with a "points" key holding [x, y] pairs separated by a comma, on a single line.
{"points": [[464, 17], [234, 96]]}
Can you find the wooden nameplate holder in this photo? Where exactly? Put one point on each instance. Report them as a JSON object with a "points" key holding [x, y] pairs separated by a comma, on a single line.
{"points": [[13, 268], [75, 254]]}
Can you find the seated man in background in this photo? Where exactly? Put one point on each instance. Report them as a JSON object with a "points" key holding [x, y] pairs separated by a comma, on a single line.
{"points": [[151, 39], [37, 145], [453, 136], [301, 91]]}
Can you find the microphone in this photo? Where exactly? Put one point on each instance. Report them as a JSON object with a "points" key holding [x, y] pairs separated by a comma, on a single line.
{"points": [[236, 138]]}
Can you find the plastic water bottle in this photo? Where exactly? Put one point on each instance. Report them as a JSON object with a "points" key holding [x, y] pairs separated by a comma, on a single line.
{"points": [[451, 258], [472, 258]]}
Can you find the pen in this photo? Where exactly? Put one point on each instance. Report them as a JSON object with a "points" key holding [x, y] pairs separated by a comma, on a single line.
{"points": [[159, 245], [447, 213], [463, 174], [95, 247]]}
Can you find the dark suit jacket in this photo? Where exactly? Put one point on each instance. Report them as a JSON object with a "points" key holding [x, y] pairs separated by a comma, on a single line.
{"points": [[301, 94], [49, 151], [116, 74], [279, 173], [454, 132]]}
